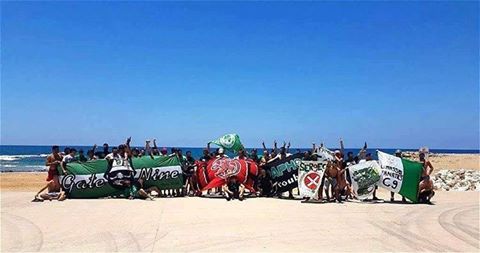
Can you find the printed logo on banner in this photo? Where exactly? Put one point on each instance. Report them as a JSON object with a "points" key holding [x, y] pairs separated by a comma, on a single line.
{"points": [[225, 167], [227, 140], [120, 173], [364, 178], [312, 180]]}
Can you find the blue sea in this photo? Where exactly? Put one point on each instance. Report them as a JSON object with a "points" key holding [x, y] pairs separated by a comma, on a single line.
{"points": [[19, 158]]}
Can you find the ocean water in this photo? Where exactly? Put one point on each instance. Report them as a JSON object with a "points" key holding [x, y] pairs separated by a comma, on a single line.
{"points": [[17, 158]]}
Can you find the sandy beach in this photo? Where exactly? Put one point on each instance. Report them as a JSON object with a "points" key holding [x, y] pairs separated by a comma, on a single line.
{"points": [[257, 224]]}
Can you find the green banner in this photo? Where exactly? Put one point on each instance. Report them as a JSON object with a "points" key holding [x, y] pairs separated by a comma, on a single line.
{"points": [[90, 180]]}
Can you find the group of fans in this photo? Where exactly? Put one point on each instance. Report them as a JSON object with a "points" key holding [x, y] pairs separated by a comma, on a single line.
{"points": [[336, 182]]}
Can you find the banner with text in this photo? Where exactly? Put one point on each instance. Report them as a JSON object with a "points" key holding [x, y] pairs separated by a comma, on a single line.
{"points": [[284, 172], [400, 175], [310, 175], [91, 180]]}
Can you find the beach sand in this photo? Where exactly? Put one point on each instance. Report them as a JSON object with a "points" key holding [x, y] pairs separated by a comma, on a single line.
{"points": [[256, 224], [455, 161]]}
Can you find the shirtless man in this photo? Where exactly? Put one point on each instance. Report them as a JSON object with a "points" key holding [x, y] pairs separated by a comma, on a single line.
{"points": [[426, 184], [329, 180], [54, 190], [336, 181]]}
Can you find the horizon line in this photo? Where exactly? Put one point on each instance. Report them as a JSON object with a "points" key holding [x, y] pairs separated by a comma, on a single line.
{"points": [[167, 146]]}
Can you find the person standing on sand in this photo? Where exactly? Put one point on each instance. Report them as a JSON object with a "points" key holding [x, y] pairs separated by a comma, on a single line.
{"points": [[67, 159], [53, 160], [398, 154], [368, 157], [283, 155], [425, 190], [53, 186]]}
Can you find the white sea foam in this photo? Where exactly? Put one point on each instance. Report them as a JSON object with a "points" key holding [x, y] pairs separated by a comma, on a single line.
{"points": [[19, 157]]}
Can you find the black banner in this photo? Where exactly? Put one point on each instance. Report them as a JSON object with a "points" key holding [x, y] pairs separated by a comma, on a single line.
{"points": [[284, 173]]}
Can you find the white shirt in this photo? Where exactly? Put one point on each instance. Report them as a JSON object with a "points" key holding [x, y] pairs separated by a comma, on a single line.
{"points": [[68, 158]]}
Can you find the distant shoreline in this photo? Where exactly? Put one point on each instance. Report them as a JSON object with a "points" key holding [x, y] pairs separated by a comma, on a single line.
{"points": [[432, 150]]}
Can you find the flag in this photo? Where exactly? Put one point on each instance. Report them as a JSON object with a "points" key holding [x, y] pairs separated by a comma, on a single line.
{"points": [[399, 175], [216, 172], [92, 180], [310, 175], [365, 177], [229, 142], [284, 172]]}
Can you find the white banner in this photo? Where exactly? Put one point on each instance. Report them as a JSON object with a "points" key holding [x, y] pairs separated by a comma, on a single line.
{"points": [[310, 175], [364, 177], [391, 177]]}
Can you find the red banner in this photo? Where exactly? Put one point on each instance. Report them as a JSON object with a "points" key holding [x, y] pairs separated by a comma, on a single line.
{"points": [[215, 173]]}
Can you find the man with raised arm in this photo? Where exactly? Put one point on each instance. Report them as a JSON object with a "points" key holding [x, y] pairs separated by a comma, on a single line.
{"points": [[120, 166]]}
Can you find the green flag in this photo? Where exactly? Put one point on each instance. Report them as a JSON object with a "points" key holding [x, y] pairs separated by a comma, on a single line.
{"points": [[90, 180], [229, 142], [400, 175]]}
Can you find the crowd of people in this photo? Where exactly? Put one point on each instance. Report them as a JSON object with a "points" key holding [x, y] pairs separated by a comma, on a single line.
{"points": [[336, 182]]}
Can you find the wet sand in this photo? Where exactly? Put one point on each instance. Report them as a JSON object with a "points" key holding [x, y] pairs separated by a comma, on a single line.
{"points": [[257, 224]]}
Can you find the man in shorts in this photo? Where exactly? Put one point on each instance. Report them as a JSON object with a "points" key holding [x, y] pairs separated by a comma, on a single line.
{"points": [[425, 190], [53, 187]]}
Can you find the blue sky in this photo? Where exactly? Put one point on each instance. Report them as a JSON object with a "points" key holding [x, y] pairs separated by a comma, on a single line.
{"points": [[396, 74]]}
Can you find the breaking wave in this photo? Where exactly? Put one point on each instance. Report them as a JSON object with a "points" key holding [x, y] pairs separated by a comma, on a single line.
{"points": [[20, 157]]}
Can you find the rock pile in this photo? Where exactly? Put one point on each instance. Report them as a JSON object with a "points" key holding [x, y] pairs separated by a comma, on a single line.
{"points": [[457, 180]]}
